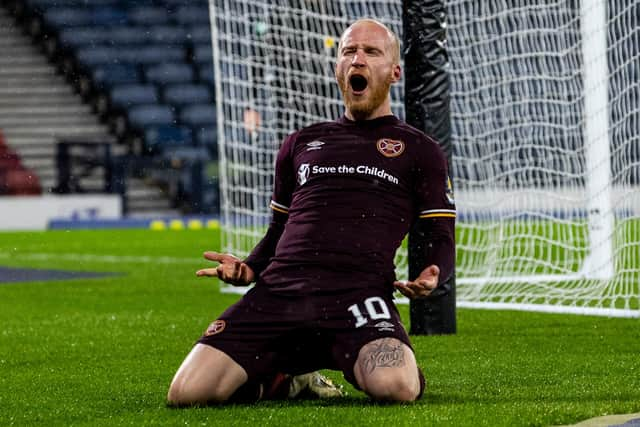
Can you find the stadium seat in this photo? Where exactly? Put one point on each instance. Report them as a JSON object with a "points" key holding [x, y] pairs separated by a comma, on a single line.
{"points": [[202, 54], [188, 154], [200, 34], [193, 15], [39, 6], [42, 5], [183, 94], [143, 116], [170, 73], [61, 17], [154, 54], [207, 137], [167, 34], [129, 35], [108, 15], [149, 15], [21, 182], [76, 37], [174, 4], [105, 76], [127, 95], [198, 115], [160, 138], [9, 160], [206, 74], [90, 57]]}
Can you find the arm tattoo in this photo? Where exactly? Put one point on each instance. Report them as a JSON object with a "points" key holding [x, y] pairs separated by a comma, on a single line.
{"points": [[386, 353]]}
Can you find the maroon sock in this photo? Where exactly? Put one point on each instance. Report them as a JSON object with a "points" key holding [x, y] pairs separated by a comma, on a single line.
{"points": [[275, 387], [248, 392]]}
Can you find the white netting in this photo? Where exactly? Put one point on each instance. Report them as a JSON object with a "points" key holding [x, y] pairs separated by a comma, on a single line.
{"points": [[546, 168]]}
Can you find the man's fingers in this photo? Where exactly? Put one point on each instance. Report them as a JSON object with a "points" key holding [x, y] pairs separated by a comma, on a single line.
{"points": [[212, 272], [415, 289], [222, 258], [428, 284], [244, 273], [237, 270], [431, 271], [422, 287], [404, 289]]}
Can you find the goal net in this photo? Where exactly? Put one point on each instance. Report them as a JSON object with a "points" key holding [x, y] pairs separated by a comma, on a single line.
{"points": [[545, 133]]}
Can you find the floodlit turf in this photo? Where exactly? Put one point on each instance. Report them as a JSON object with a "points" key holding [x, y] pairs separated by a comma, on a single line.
{"points": [[102, 351]]}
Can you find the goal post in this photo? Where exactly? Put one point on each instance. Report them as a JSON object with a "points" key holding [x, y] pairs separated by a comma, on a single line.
{"points": [[427, 108], [545, 136], [593, 29]]}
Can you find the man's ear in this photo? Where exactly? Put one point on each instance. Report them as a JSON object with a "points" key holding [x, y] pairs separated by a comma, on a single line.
{"points": [[396, 73]]}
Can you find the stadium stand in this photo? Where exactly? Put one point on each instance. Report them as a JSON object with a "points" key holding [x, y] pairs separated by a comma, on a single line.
{"points": [[184, 94], [15, 178], [144, 67], [167, 73]]}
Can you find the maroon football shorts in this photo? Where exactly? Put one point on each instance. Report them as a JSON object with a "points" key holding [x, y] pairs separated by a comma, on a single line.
{"points": [[267, 333]]}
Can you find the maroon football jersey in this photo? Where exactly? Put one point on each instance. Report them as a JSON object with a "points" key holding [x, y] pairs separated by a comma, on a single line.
{"points": [[352, 190]]}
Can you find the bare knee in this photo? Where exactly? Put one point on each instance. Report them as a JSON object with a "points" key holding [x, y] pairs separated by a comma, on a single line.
{"points": [[386, 370], [394, 388], [183, 391], [206, 376]]}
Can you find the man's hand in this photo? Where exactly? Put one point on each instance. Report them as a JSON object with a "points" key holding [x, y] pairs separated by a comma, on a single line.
{"points": [[231, 270], [423, 284]]}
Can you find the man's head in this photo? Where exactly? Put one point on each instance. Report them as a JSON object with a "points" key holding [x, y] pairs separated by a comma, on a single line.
{"points": [[368, 63]]}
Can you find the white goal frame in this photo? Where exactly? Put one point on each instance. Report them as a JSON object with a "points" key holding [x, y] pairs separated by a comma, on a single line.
{"points": [[602, 283]]}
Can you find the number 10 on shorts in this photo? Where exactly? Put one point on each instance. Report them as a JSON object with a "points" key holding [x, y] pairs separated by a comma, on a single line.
{"points": [[375, 308]]}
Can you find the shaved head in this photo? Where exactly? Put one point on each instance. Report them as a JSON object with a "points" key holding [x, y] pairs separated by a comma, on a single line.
{"points": [[368, 63], [393, 42]]}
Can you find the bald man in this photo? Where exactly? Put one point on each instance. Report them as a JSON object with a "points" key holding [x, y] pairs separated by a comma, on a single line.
{"points": [[346, 193]]}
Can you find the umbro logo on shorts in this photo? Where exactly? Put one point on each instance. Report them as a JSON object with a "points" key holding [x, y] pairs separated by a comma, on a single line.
{"points": [[384, 326]]}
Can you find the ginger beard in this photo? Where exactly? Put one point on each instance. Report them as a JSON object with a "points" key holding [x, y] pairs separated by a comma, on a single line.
{"points": [[363, 105]]}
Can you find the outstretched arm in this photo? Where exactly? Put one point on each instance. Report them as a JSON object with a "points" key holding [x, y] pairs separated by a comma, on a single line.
{"points": [[433, 243], [241, 273]]}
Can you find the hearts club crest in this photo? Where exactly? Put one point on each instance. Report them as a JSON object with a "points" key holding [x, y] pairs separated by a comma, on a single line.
{"points": [[215, 327], [390, 147]]}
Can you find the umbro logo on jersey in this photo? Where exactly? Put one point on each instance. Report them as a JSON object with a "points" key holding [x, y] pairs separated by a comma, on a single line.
{"points": [[314, 145], [390, 147]]}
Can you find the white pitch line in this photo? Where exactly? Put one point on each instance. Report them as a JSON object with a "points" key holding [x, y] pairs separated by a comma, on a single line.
{"points": [[101, 258]]}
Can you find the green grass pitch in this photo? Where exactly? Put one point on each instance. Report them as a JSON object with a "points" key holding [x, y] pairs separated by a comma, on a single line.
{"points": [[103, 351]]}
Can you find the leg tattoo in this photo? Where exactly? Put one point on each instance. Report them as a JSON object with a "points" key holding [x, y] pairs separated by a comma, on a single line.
{"points": [[384, 353]]}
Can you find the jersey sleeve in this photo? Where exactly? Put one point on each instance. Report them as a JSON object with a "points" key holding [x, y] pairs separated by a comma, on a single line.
{"points": [[436, 212], [285, 178], [433, 189], [284, 184]]}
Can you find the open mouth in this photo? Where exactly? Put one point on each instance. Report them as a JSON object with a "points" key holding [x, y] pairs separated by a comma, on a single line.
{"points": [[358, 83]]}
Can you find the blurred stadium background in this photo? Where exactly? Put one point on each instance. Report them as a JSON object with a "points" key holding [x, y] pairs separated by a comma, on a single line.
{"points": [[108, 113], [109, 97], [108, 118]]}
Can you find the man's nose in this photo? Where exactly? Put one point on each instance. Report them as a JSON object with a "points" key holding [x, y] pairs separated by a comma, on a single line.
{"points": [[358, 59]]}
